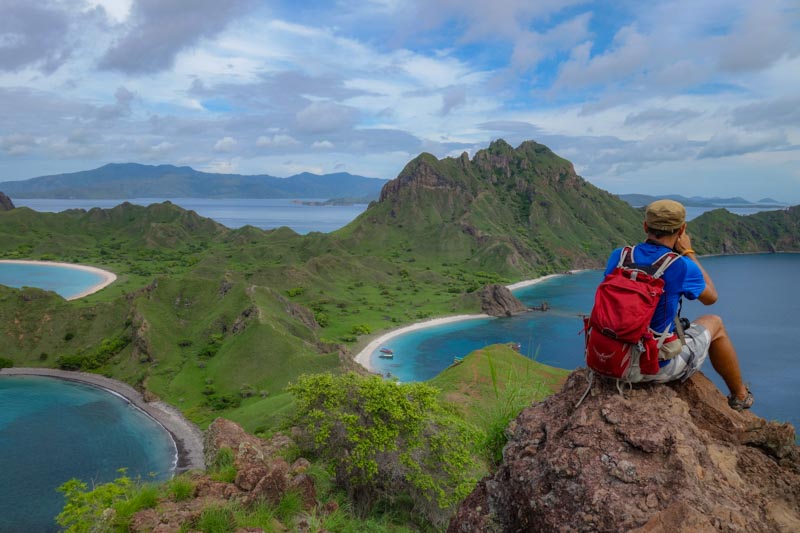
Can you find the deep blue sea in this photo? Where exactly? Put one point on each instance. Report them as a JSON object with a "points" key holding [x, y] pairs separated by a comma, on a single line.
{"points": [[264, 213], [63, 280], [53, 430], [759, 303]]}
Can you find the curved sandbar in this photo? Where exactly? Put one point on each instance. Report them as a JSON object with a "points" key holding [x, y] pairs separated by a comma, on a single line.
{"points": [[107, 277], [188, 438], [364, 356]]}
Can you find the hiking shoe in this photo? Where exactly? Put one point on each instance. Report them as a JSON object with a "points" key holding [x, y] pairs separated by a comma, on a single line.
{"points": [[740, 405]]}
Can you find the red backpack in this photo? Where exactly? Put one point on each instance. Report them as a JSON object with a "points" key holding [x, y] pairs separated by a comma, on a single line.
{"points": [[618, 330]]}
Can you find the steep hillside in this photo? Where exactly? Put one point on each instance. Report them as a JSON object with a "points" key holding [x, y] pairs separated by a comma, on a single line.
{"points": [[132, 180], [519, 212], [721, 232], [216, 321]]}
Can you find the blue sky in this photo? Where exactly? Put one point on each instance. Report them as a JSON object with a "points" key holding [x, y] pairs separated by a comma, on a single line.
{"points": [[694, 97]]}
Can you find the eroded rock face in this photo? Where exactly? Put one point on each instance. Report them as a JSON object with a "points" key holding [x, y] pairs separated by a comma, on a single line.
{"points": [[497, 300], [5, 203], [261, 475], [666, 458]]}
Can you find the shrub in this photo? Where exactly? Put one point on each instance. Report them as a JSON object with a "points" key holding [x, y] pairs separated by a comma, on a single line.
{"points": [[94, 358], [216, 520], [86, 510], [384, 439], [180, 488], [6, 363], [295, 291], [361, 329], [219, 402]]}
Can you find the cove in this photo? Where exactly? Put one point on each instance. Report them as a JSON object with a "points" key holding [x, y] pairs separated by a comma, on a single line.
{"points": [[759, 302], [67, 280], [52, 430]]}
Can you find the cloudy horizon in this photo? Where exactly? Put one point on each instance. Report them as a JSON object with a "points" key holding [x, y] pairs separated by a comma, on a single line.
{"points": [[665, 97]]}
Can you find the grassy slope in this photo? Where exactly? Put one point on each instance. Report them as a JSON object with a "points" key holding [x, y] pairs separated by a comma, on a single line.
{"points": [[443, 229], [485, 380]]}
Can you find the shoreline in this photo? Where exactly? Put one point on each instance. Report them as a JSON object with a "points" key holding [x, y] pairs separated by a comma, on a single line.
{"points": [[108, 277], [187, 437], [364, 356]]}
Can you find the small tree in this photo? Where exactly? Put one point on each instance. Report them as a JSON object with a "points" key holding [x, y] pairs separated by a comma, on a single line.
{"points": [[386, 439]]}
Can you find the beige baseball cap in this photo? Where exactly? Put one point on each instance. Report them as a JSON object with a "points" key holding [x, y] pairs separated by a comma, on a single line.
{"points": [[665, 215]]}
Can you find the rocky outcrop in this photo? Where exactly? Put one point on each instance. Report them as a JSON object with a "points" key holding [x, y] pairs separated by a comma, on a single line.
{"points": [[261, 475], [662, 458], [5, 202], [497, 300]]}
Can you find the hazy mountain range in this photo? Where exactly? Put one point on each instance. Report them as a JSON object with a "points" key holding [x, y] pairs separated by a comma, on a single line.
{"points": [[640, 200], [132, 180]]}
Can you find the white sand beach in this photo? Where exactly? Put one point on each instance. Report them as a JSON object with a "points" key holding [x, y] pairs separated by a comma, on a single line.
{"points": [[364, 356], [188, 438], [107, 277]]}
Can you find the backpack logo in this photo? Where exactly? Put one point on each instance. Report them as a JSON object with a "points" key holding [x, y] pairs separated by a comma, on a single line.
{"points": [[618, 336]]}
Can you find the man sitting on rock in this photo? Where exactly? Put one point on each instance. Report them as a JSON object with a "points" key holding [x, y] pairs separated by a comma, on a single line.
{"points": [[665, 226]]}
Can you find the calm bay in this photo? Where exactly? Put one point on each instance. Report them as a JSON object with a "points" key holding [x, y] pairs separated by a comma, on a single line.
{"points": [[53, 430], [759, 302]]}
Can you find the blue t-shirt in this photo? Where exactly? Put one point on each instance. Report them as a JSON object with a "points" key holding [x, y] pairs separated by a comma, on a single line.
{"points": [[682, 278]]}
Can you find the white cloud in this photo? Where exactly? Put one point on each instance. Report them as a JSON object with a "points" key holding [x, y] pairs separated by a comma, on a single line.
{"points": [[226, 144], [278, 140], [322, 145]]}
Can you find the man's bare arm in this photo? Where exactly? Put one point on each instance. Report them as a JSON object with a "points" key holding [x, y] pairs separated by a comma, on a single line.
{"points": [[709, 294]]}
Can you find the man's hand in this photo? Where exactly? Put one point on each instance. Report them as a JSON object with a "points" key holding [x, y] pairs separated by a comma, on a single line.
{"points": [[683, 243]]}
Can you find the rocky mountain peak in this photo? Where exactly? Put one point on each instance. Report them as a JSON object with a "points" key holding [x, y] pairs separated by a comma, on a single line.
{"points": [[662, 458], [5, 202]]}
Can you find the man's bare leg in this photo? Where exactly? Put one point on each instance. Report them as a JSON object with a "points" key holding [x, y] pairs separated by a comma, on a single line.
{"points": [[723, 355]]}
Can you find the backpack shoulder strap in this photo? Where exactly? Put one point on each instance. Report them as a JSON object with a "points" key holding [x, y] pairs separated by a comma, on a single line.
{"points": [[663, 263], [626, 257]]}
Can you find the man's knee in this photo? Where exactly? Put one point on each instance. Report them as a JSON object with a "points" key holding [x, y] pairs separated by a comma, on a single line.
{"points": [[713, 324]]}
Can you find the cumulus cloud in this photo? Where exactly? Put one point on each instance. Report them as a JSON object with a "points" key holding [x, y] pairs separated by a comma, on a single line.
{"points": [[121, 108], [322, 145], [157, 30], [531, 47], [760, 37], [17, 144], [226, 144], [35, 34], [279, 140]]}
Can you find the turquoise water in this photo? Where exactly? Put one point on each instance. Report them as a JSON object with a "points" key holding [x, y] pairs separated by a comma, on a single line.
{"points": [[759, 302], [53, 430], [67, 282]]}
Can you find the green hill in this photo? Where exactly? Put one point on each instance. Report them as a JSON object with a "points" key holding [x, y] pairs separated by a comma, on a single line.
{"points": [[517, 212], [218, 321]]}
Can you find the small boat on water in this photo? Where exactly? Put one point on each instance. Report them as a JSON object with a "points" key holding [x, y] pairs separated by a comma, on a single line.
{"points": [[386, 353]]}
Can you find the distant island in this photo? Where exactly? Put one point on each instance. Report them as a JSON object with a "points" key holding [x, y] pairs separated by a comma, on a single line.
{"points": [[336, 201], [641, 200], [132, 180]]}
